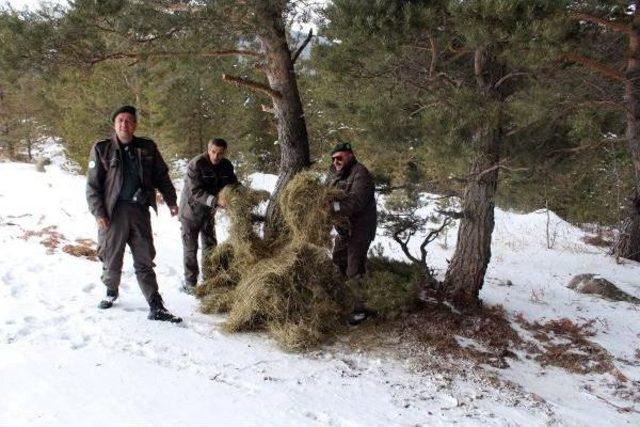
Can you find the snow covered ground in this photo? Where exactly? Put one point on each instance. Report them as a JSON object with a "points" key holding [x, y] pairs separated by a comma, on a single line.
{"points": [[64, 362]]}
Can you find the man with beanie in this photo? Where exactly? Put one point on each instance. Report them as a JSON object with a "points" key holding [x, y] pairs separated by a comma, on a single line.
{"points": [[123, 175], [207, 174], [359, 207]]}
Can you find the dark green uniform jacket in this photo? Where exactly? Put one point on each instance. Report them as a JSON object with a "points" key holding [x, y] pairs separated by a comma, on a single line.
{"points": [[202, 183]]}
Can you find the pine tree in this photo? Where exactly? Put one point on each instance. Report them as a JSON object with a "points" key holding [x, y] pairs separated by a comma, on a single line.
{"points": [[90, 33], [615, 24]]}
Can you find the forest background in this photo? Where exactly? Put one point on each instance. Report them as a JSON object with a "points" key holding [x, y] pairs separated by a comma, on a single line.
{"points": [[389, 76]]}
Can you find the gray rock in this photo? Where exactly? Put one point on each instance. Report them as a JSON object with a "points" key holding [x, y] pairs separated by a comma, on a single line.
{"points": [[594, 285], [41, 163]]}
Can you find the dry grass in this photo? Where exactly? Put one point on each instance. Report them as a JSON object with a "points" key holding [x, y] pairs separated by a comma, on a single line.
{"points": [[288, 287], [51, 238], [305, 205], [296, 296], [85, 248], [565, 344], [484, 337]]}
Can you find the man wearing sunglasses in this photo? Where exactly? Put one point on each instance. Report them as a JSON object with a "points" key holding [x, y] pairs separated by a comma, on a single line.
{"points": [[123, 175], [352, 243]]}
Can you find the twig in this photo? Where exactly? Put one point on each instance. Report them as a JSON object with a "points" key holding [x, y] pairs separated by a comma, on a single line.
{"points": [[302, 46], [591, 63], [618, 407]]}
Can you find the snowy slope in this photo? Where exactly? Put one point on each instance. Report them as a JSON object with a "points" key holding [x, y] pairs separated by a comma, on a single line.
{"points": [[64, 362]]}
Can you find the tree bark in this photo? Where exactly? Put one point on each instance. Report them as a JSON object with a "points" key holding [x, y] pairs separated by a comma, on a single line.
{"points": [[628, 244], [465, 275], [292, 129], [466, 272]]}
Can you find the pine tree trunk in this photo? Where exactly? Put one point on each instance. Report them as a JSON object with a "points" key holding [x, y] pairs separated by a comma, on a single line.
{"points": [[465, 275], [292, 129], [628, 244]]}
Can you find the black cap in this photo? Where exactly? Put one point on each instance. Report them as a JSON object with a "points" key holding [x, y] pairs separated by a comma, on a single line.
{"points": [[124, 109], [341, 146]]}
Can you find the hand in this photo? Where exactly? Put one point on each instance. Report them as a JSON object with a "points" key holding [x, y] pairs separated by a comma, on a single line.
{"points": [[174, 210], [221, 202], [103, 223]]}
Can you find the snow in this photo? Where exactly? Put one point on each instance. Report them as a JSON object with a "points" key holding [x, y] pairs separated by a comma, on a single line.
{"points": [[64, 362]]}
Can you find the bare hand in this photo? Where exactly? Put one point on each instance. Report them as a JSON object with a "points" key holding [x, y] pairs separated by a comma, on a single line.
{"points": [[103, 223], [221, 202], [174, 210]]}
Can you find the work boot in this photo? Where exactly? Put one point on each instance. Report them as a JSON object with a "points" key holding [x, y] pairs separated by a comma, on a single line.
{"points": [[358, 316], [164, 315], [112, 295], [158, 312]]}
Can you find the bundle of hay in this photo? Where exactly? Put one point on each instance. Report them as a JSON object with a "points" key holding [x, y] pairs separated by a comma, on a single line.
{"points": [[225, 264], [296, 296], [293, 290], [305, 205]]}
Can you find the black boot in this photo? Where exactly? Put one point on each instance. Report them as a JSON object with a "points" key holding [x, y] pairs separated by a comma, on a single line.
{"points": [[158, 312], [112, 295], [358, 316]]}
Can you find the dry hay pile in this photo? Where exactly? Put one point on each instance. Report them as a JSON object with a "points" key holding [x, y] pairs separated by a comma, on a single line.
{"points": [[225, 264], [305, 205], [291, 290]]}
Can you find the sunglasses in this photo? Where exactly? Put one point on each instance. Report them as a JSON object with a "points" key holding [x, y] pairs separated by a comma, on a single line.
{"points": [[337, 159]]}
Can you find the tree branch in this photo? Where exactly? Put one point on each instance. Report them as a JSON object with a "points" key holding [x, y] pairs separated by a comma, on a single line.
{"points": [[434, 55], [615, 26], [255, 86], [206, 54], [591, 63], [404, 247], [431, 237], [592, 146], [507, 77], [451, 214], [302, 46]]}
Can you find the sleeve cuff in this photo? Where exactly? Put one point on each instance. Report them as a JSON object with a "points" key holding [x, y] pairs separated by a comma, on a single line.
{"points": [[211, 200]]}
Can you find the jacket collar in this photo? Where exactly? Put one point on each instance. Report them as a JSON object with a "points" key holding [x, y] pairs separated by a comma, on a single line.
{"points": [[117, 144]]}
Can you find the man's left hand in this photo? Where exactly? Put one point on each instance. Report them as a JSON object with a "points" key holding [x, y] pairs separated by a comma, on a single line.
{"points": [[173, 210]]}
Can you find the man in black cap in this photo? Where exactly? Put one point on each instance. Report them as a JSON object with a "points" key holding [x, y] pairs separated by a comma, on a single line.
{"points": [[123, 175], [352, 243], [207, 174]]}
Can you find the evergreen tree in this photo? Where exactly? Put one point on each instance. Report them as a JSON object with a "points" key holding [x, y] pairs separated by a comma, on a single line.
{"points": [[90, 33], [608, 44], [463, 64]]}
